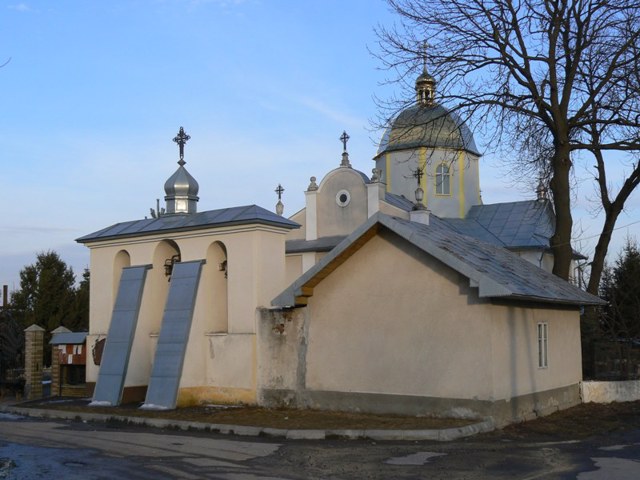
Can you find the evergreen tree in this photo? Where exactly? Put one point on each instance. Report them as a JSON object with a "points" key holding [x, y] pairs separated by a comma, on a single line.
{"points": [[47, 293], [80, 319], [620, 319], [620, 287], [11, 343]]}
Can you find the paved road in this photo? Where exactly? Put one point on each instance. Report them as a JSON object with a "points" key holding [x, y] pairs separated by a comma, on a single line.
{"points": [[32, 449]]}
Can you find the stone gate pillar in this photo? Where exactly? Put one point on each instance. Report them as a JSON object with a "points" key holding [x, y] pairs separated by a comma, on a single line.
{"points": [[33, 361]]}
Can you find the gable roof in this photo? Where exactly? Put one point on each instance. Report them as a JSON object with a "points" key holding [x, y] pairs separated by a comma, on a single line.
{"points": [[68, 338], [223, 217], [493, 270]]}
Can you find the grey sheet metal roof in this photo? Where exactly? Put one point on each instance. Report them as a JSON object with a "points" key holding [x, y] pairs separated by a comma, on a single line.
{"points": [[398, 201], [494, 271], [174, 223], [68, 338], [525, 224], [323, 244]]}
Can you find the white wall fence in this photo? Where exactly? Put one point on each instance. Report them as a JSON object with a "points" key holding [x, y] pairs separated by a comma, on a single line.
{"points": [[606, 392]]}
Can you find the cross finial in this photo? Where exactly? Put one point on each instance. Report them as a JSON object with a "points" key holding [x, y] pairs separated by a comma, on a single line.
{"points": [[181, 139], [279, 205], [344, 138], [418, 173], [425, 46], [279, 191]]}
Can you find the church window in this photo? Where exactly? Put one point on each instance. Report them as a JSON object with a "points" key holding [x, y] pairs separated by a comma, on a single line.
{"points": [[443, 180], [543, 341], [343, 198]]}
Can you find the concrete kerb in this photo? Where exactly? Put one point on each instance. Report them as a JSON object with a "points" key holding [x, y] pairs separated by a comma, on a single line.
{"points": [[442, 435]]}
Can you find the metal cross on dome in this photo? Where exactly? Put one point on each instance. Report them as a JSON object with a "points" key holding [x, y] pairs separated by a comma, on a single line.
{"points": [[425, 46], [279, 191], [344, 138], [181, 139]]}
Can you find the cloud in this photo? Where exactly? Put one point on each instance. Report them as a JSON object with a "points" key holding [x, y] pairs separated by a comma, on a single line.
{"points": [[22, 7], [349, 121]]}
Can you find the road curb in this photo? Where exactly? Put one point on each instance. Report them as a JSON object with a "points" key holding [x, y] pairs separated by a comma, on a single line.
{"points": [[441, 435]]}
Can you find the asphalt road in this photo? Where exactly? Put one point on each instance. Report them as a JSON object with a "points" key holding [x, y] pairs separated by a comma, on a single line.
{"points": [[33, 449]]}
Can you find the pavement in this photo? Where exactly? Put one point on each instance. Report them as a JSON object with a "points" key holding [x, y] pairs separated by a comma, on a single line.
{"points": [[442, 435]]}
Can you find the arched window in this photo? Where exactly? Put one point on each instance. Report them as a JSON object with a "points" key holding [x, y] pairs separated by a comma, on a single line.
{"points": [[216, 278], [443, 180], [120, 261]]}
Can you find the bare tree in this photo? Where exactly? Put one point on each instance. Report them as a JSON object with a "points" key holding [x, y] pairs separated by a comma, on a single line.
{"points": [[552, 76]]}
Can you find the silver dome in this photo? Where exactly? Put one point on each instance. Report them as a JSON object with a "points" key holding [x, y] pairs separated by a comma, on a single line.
{"points": [[427, 126]]}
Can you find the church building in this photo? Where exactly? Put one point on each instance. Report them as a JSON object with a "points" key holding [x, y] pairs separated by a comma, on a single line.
{"points": [[398, 292]]}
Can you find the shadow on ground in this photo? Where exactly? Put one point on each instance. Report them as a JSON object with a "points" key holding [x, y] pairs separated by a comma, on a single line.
{"points": [[578, 422]]}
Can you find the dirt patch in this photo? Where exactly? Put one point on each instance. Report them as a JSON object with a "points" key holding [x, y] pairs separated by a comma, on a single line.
{"points": [[579, 422], [265, 417]]}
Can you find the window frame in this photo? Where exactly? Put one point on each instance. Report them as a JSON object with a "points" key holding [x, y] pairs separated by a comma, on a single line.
{"points": [[443, 172], [543, 344]]}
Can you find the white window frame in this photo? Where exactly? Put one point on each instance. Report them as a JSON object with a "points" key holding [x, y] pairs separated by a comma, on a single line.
{"points": [[443, 180], [543, 345]]}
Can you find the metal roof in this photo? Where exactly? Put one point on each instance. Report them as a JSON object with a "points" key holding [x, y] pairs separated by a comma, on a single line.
{"points": [[244, 215], [399, 201], [427, 126], [322, 244], [493, 270], [68, 338], [528, 223], [517, 225]]}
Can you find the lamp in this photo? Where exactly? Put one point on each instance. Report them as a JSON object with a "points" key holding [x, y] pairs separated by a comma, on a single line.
{"points": [[168, 265], [222, 267]]}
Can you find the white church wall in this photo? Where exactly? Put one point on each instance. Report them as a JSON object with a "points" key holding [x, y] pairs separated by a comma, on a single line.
{"points": [[412, 335], [219, 368], [216, 361], [337, 217], [464, 191], [514, 333], [154, 296], [537, 258], [105, 260], [472, 195], [422, 342], [282, 337], [299, 217], [397, 172], [293, 268]]}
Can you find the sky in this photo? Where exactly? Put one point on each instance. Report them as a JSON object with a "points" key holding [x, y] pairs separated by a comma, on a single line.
{"points": [[94, 92]]}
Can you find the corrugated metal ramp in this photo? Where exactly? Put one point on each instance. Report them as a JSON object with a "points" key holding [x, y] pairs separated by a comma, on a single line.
{"points": [[115, 360], [174, 334]]}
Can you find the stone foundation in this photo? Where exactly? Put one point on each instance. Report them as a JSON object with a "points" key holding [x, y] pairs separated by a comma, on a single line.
{"points": [[503, 412]]}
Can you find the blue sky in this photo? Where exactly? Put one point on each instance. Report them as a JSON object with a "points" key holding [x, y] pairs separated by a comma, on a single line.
{"points": [[95, 91]]}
